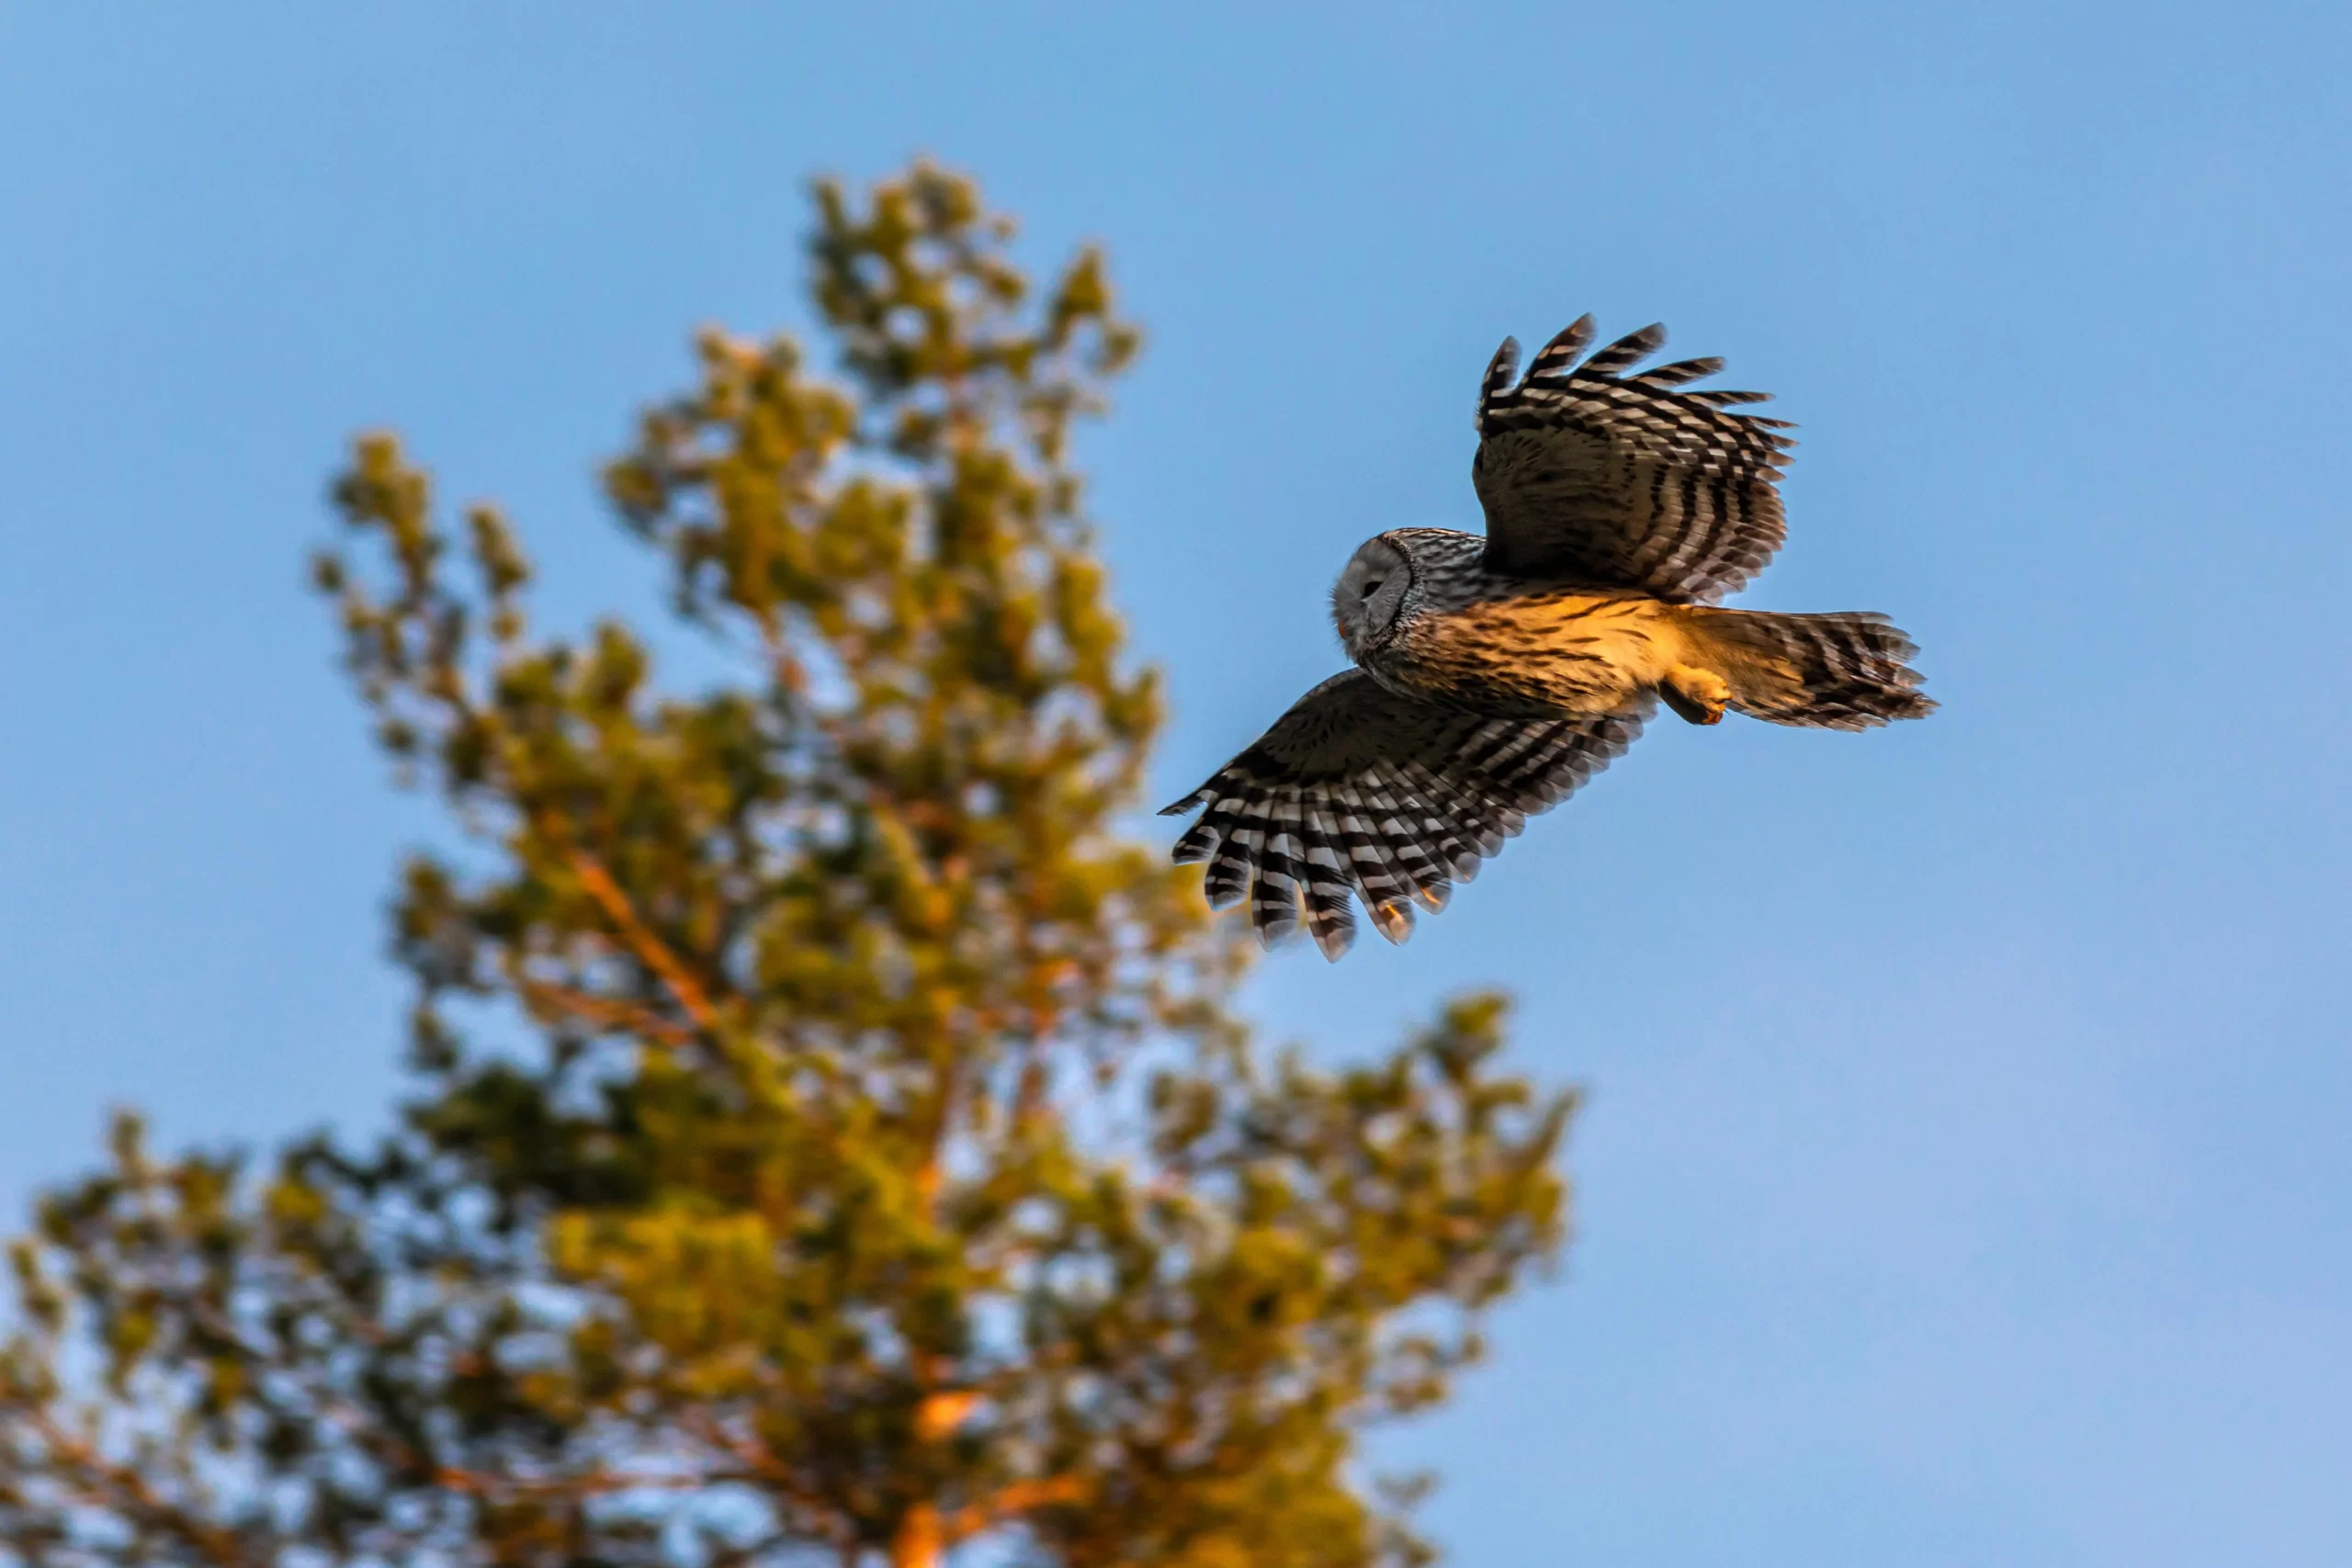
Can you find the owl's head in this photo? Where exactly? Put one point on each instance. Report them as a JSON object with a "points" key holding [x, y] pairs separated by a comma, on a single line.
{"points": [[1369, 599]]}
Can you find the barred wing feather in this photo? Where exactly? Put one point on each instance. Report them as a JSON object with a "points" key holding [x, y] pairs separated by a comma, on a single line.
{"points": [[1589, 473], [1357, 793]]}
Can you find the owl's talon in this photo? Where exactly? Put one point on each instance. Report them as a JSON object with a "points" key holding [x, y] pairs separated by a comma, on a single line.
{"points": [[1697, 695]]}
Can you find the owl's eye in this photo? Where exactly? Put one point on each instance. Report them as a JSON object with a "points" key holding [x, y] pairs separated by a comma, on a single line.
{"points": [[1373, 586]]}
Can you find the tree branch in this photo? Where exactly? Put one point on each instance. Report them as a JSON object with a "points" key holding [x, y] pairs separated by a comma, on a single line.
{"points": [[650, 950], [1014, 1500], [941, 1414], [692, 996], [119, 1487], [603, 1012]]}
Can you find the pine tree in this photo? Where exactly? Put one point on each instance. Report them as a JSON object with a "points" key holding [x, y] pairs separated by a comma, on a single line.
{"points": [[832, 1134]]}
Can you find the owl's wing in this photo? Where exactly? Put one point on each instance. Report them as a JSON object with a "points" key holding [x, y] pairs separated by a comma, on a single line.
{"points": [[1589, 473], [1357, 790]]}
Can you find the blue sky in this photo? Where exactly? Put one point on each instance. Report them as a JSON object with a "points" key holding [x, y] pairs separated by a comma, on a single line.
{"points": [[1964, 1179]]}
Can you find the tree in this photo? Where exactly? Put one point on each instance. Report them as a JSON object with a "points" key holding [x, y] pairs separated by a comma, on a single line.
{"points": [[832, 1132]]}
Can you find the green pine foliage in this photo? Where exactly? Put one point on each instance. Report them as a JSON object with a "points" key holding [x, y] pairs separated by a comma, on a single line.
{"points": [[888, 1171]]}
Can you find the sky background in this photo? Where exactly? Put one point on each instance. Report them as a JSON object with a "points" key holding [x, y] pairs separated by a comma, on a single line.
{"points": [[1965, 1176]]}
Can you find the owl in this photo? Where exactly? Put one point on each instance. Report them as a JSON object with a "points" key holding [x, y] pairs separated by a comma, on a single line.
{"points": [[1493, 675]]}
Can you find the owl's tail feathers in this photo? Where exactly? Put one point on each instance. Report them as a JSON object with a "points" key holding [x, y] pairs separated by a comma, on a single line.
{"points": [[1841, 672]]}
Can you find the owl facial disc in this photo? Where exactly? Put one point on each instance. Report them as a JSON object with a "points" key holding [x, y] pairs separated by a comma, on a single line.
{"points": [[1369, 594]]}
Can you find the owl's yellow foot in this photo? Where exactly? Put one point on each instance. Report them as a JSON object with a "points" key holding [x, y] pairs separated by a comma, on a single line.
{"points": [[1698, 695]]}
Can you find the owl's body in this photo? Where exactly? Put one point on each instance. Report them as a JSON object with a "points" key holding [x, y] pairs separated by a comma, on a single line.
{"points": [[1511, 648], [1495, 674]]}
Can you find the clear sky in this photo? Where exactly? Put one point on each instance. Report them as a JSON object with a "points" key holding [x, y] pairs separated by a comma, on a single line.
{"points": [[1965, 1178]]}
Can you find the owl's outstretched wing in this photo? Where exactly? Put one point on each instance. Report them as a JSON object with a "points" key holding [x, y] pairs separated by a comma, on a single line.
{"points": [[1592, 474], [1357, 790]]}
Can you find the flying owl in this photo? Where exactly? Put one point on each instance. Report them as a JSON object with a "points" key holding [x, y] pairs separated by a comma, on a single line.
{"points": [[1494, 675]]}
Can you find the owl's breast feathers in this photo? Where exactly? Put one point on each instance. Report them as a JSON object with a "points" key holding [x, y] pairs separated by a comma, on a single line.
{"points": [[1532, 653]]}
